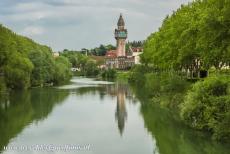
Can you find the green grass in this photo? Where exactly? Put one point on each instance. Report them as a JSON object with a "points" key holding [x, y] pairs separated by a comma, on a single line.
{"points": [[122, 75]]}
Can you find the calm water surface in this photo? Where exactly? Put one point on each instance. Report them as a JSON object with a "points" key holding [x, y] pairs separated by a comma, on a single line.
{"points": [[102, 117]]}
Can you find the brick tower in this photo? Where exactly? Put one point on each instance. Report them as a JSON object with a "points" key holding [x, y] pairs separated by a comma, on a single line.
{"points": [[121, 36]]}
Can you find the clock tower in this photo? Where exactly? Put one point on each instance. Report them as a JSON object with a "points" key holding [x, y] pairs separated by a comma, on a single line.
{"points": [[121, 36]]}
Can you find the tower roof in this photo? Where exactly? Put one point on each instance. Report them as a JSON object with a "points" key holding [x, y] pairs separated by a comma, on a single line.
{"points": [[121, 21]]}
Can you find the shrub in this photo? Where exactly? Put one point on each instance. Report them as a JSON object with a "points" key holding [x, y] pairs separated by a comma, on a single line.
{"points": [[109, 74], [207, 107], [62, 70], [2, 85], [91, 68], [137, 73]]}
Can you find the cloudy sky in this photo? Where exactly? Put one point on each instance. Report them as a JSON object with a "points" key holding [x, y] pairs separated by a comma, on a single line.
{"points": [[76, 24]]}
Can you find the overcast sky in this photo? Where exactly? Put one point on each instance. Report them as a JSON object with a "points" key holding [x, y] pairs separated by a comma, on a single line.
{"points": [[76, 24]]}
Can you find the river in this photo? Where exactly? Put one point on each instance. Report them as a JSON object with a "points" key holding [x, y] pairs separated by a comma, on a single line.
{"points": [[88, 116]]}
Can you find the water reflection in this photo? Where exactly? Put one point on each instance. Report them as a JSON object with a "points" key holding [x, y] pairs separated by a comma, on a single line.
{"points": [[21, 108], [118, 90], [87, 115], [121, 113], [171, 135]]}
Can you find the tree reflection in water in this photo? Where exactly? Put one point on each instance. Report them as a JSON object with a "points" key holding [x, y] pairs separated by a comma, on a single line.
{"points": [[20, 108]]}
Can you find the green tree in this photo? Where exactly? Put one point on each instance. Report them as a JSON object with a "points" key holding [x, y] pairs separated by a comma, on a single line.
{"points": [[197, 31], [62, 70], [23, 62], [18, 72], [44, 67], [91, 68]]}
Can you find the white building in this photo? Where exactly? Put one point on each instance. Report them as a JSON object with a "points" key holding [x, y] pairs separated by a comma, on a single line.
{"points": [[136, 52]]}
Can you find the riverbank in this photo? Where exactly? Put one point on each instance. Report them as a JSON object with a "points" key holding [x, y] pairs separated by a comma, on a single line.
{"points": [[203, 105]]}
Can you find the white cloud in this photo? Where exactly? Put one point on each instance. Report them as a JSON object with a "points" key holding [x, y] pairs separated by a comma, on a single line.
{"points": [[76, 24]]}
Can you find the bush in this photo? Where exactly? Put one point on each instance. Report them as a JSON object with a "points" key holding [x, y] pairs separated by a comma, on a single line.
{"points": [[207, 107], [62, 70], [2, 85], [122, 76], [91, 68], [167, 89], [109, 74], [136, 75], [173, 83], [152, 84]]}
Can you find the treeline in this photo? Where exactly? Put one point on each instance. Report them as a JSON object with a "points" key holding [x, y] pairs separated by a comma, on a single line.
{"points": [[85, 65], [24, 63], [102, 49], [196, 36], [135, 43], [97, 51]]}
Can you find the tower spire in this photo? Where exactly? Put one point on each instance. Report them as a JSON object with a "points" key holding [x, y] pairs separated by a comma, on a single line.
{"points": [[121, 21]]}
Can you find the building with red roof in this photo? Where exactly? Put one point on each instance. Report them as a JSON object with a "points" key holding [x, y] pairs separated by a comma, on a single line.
{"points": [[118, 58]]}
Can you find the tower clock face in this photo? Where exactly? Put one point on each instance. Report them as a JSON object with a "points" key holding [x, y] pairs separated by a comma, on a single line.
{"points": [[122, 34]]}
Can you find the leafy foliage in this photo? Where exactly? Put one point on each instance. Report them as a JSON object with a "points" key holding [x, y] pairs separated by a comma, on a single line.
{"points": [[195, 37], [62, 71], [207, 106], [109, 74], [197, 31], [101, 50], [91, 68], [44, 67], [25, 63], [86, 65]]}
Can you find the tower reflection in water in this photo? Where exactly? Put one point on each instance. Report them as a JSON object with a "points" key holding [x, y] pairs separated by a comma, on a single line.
{"points": [[123, 93], [121, 113]]}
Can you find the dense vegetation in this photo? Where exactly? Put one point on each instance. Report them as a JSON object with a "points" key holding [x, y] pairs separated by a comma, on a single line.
{"points": [[203, 105], [164, 88], [109, 74], [196, 32], [86, 65], [207, 106], [97, 51], [195, 37], [101, 50], [135, 43], [24, 63]]}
